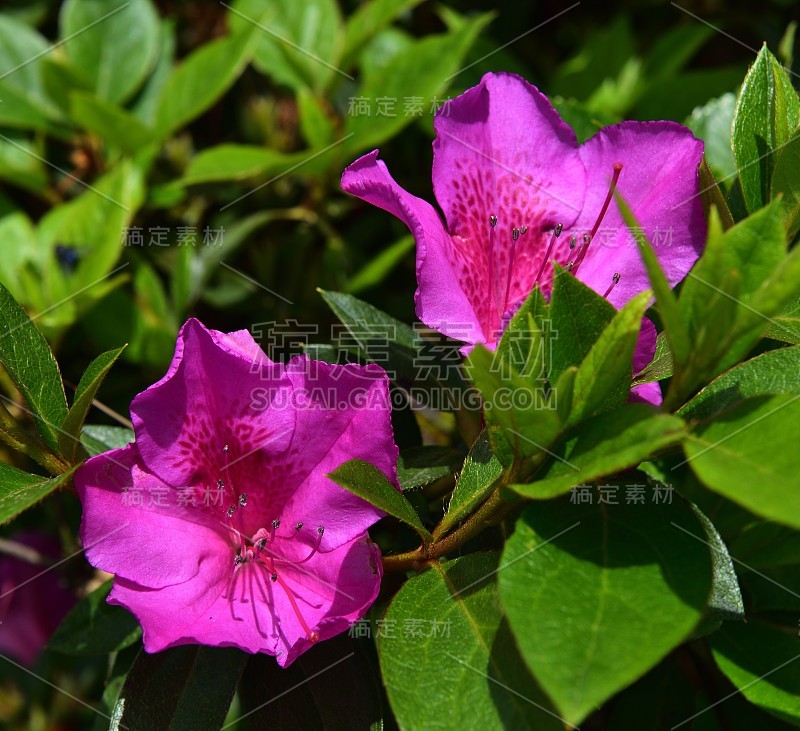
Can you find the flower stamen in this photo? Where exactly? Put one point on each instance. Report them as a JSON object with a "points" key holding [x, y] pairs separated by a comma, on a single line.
{"points": [[614, 281], [588, 238]]}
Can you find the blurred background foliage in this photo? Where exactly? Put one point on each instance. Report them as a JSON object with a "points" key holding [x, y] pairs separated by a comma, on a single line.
{"points": [[214, 135]]}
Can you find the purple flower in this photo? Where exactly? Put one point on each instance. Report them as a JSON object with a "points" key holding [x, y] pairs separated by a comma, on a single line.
{"points": [[219, 521], [518, 192], [33, 600]]}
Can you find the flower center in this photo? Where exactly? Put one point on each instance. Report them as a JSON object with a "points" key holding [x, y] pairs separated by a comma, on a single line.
{"points": [[262, 552], [501, 290]]}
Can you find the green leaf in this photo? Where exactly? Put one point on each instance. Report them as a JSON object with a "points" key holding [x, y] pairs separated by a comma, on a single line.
{"points": [[369, 19], [752, 444], [604, 445], [69, 434], [596, 596], [674, 324], [378, 268], [315, 122], [775, 372], [238, 162], [20, 490], [94, 627], [786, 183], [786, 325], [30, 363], [20, 166], [369, 483], [115, 126], [725, 601], [603, 379], [481, 472], [521, 415], [422, 71], [712, 124], [297, 44], [308, 694], [419, 466], [202, 78], [762, 662], [25, 102], [446, 626], [115, 45], [98, 438], [766, 116], [660, 367], [578, 316], [182, 688]]}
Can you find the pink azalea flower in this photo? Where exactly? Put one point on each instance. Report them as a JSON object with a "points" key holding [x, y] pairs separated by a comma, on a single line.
{"points": [[518, 192], [219, 521]]}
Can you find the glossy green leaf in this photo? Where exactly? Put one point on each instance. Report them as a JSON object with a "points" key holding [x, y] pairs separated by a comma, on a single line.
{"points": [[201, 79], [774, 372], [767, 114], [604, 445], [369, 483], [113, 44], [786, 183], [521, 415], [69, 434], [712, 124], [749, 455], [94, 627], [20, 490], [578, 317], [99, 438], [419, 466], [187, 687], [763, 662], [481, 472], [449, 629], [308, 694], [596, 596], [30, 363], [786, 325], [603, 379], [660, 367]]}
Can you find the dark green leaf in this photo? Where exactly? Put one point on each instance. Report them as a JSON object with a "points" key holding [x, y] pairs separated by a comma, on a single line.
{"points": [[20, 490], [762, 662], [115, 126], [25, 354], [369, 19], [448, 628], [604, 445], [596, 596], [786, 182], [369, 483], [94, 627], [378, 268], [418, 466], [481, 471], [180, 689]]}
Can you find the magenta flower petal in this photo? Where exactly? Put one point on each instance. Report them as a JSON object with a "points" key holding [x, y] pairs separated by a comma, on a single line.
{"points": [[220, 521], [329, 591], [440, 296], [502, 154], [659, 181], [518, 193]]}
